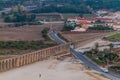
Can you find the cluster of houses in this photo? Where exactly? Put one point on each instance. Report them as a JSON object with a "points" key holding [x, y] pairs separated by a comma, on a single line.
{"points": [[112, 20]]}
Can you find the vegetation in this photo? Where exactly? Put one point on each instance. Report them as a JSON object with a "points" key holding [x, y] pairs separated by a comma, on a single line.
{"points": [[68, 28], [24, 45], [100, 27], [65, 6], [44, 33], [114, 37], [102, 57], [94, 4], [115, 69], [62, 9], [20, 47], [105, 57], [18, 17], [17, 14], [9, 3], [62, 37]]}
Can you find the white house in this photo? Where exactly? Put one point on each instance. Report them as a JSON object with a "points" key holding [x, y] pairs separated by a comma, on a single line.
{"points": [[79, 29], [116, 27]]}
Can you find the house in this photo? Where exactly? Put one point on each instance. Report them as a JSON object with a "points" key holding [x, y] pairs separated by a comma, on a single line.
{"points": [[102, 11], [116, 27], [79, 29]]}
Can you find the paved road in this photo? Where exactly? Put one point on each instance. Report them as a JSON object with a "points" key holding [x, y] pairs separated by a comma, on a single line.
{"points": [[54, 37], [83, 58]]}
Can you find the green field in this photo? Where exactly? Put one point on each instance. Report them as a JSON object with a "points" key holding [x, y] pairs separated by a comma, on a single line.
{"points": [[114, 37]]}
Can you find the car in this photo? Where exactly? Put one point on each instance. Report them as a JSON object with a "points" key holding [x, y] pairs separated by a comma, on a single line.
{"points": [[104, 69]]}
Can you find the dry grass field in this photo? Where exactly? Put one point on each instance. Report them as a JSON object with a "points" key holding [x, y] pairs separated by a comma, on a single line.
{"points": [[83, 36], [25, 33]]}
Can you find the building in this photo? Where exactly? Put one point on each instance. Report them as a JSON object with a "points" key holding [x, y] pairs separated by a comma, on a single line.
{"points": [[116, 27], [79, 29]]}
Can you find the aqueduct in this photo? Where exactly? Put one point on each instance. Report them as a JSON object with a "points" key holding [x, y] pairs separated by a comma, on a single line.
{"points": [[29, 58]]}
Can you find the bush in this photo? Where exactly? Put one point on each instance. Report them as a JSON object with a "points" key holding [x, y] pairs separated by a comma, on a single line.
{"points": [[44, 33], [24, 45], [100, 28]]}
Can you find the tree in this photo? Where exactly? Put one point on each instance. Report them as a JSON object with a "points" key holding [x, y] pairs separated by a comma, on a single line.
{"points": [[96, 46], [111, 46]]}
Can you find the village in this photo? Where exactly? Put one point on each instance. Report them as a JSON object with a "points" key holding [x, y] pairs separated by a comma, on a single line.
{"points": [[104, 18]]}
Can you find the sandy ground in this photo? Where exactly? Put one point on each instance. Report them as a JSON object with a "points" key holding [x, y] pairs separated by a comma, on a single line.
{"points": [[52, 69], [92, 44]]}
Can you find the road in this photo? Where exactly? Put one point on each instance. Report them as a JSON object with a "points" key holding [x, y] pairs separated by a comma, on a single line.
{"points": [[83, 58], [54, 37]]}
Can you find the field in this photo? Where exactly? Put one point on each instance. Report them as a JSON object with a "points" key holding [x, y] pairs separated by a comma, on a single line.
{"points": [[21, 40], [70, 15], [25, 33], [88, 15], [83, 36], [114, 37], [73, 15], [49, 16]]}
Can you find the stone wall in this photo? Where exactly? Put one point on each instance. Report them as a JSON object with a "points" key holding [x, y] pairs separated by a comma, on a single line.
{"points": [[29, 58]]}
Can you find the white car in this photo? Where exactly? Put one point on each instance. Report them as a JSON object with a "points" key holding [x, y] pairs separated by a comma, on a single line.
{"points": [[104, 69]]}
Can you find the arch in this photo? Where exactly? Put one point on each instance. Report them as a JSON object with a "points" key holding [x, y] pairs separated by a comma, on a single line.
{"points": [[26, 59], [0, 66], [15, 60], [13, 63], [20, 61], [34, 56], [40, 57], [23, 60], [37, 57], [7, 64], [10, 64], [29, 58]]}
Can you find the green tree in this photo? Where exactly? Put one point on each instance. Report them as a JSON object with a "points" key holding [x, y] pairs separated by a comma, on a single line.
{"points": [[111, 46]]}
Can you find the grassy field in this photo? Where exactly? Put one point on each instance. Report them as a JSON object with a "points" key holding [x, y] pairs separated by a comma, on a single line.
{"points": [[70, 15], [114, 37]]}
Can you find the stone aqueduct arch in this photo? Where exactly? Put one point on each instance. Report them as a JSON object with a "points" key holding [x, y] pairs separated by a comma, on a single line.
{"points": [[29, 58]]}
